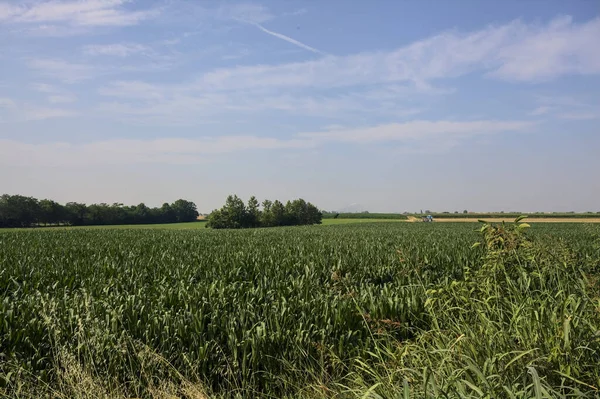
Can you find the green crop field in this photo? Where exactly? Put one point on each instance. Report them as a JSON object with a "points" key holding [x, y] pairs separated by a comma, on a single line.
{"points": [[184, 226], [369, 310], [364, 215]]}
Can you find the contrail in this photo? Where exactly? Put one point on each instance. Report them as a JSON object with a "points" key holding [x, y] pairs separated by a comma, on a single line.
{"points": [[287, 39]]}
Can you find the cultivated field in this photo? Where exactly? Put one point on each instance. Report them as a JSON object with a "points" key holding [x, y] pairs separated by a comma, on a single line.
{"points": [[199, 225], [508, 220], [370, 310]]}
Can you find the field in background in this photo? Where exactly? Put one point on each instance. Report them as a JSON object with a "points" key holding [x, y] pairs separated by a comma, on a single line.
{"points": [[364, 216], [513, 215], [413, 219], [355, 310], [529, 220], [201, 224]]}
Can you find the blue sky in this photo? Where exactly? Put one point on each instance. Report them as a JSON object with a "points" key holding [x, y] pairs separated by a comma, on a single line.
{"points": [[381, 106]]}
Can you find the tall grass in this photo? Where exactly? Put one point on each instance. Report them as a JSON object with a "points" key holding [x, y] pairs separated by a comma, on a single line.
{"points": [[523, 323], [381, 310]]}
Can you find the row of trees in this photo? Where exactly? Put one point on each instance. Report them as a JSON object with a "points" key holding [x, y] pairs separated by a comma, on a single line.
{"points": [[236, 215], [21, 211]]}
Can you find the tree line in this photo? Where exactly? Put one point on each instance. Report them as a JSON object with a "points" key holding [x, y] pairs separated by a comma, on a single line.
{"points": [[21, 211], [237, 215]]}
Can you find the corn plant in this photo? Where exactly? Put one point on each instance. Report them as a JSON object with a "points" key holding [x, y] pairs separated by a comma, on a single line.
{"points": [[369, 310]]}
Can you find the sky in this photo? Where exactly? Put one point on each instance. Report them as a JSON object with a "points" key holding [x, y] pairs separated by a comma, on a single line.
{"points": [[385, 106]]}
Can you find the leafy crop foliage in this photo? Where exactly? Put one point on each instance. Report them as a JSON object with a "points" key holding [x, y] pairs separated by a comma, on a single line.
{"points": [[371, 310], [236, 215], [20, 211]]}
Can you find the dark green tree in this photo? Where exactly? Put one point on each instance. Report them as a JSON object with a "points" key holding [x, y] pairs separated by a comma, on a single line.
{"points": [[253, 213], [266, 216], [51, 212], [185, 211], [278, 212], [20, 211]]}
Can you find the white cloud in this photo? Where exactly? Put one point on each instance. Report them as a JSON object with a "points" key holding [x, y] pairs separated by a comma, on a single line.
{"points": [[541, 110], [287, 39], [8, 11], [375, 82], [117, 49], [560, 101], [77, 13], [144, 103], [44, 88], [56, 95], [580, 116], [297, 12], [31, 114], [418, 130], [566, 107], [135, 151], [244, 52], [19, 111], [61, 99], [175, 150], [253, 13], [497, 49], [132, 90], [66, 71], [73, 72], [7, 103], [560, 48], [51, 30]]}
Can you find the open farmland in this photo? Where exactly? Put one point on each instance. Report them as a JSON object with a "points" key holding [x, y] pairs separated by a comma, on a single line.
{"points": [[366, 310], [199, 225], [497, 219]]}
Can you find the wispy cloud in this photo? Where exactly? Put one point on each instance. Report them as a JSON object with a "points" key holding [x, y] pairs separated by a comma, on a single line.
{"points": [[376, 83], [144, 103], [253, 13], [300, 11], [236, 55], [495, 50], [61, 99], [540, 110], [81, 13], [9, 11], [31, 114], [69, 72], [419, 130], [15, 111], [580, 116], [566, 107], [132, 90], [7, 103], [174, 150], [171, 150], [73, 72], [117, 49], [44, 88], [287, 39], [56, 95], [545, 52]]}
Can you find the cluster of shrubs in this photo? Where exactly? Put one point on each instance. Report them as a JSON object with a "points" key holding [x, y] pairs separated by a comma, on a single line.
{"points": [[21, 211], [237, 215]]}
